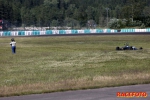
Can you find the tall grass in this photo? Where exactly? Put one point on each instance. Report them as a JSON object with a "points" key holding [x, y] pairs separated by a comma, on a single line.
{"points": [[48, 64]]}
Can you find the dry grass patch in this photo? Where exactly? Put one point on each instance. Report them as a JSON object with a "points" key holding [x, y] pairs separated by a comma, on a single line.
{"points": [[73, 84], [48, 64]]}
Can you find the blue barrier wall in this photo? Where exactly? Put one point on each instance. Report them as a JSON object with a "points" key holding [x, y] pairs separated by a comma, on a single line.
{"points": [[87, 31], [6, 33], [74, 31], [148, 29], [49, 32], [62, 32], [128, 30], [21, 33], [36, 33], [99, 31]]}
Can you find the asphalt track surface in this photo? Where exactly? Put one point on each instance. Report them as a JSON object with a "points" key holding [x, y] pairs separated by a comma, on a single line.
{"points": [[90, 94]]}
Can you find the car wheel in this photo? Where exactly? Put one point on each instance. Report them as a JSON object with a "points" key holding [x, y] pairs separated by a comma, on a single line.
{"points": [[117, 48]]}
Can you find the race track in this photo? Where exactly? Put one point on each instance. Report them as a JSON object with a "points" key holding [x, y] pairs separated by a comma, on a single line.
{"points": [[90, 94]]}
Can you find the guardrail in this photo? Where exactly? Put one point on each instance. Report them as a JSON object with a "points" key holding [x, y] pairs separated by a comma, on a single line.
{"points": [[50, 32]]}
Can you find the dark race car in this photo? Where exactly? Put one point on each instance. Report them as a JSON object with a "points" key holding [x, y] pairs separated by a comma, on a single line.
{"points": [[127, 47]]}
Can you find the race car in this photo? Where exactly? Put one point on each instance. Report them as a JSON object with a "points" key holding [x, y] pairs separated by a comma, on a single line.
{"points": [[127, 47]]}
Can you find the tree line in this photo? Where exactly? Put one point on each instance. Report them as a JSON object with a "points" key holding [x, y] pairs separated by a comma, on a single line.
{"points": [[76, 13]]}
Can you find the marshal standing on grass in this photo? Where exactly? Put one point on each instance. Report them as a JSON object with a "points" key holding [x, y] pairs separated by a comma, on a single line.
{"points": [[13, 45]]}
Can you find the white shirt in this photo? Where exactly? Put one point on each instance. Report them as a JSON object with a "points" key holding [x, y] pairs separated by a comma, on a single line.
{"points": [[13, 43]]}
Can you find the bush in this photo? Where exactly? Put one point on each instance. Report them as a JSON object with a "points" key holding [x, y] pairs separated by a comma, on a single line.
{"points": [[117, 23]]}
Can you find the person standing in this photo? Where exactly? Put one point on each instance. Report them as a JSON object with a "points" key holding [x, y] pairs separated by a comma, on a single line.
{"points": [[13, 45]]}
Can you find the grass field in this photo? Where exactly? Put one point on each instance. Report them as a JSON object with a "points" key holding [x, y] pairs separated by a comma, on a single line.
{"points": [[50, 64]]}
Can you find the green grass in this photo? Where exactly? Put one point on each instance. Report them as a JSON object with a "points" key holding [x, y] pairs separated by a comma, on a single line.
{"points": [[48, 64]]}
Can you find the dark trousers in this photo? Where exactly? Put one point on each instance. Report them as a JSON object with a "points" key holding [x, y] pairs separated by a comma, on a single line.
{"points": [[13, 49]]}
